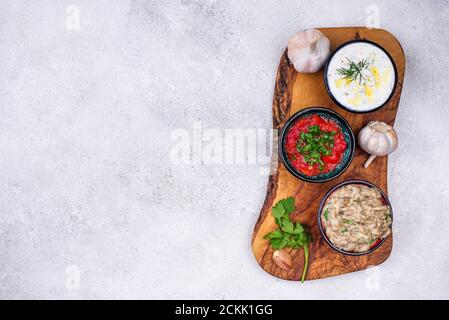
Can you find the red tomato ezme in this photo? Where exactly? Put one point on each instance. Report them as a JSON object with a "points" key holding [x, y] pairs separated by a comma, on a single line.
{"points": [[327, 160]]}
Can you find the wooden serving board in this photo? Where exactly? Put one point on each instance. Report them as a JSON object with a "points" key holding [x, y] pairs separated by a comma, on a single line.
{"points": [[294, 92]]}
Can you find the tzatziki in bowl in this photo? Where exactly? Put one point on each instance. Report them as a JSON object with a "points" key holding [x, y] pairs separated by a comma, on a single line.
{"points": [[360, 76]]}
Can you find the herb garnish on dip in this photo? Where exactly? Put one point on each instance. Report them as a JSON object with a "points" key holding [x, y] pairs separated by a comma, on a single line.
{"points": [[361, 76], [315, 145]]}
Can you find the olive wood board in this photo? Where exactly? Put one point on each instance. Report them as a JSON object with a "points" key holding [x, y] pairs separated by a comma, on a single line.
{"points": [[294, 92]]}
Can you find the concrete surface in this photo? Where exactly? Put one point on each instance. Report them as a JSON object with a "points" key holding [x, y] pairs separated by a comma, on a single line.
{"points": [[91, 205]]}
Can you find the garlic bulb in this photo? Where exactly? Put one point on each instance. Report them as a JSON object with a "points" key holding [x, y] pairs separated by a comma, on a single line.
{"points": [[308, 50], [378, 139]]}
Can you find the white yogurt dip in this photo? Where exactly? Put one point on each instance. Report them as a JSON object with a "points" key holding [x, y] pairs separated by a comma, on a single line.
{"points": [[361, 76]]}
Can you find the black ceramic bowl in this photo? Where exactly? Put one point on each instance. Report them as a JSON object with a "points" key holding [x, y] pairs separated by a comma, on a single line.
{"points": [[326, 81], [349, 138], [378, 243]]}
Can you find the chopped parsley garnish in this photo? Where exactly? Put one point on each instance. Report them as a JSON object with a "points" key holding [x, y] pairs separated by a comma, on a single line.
{"points": [[315, 144], [326, 213]]}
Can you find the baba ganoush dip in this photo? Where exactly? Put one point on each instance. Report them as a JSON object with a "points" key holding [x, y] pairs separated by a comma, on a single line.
{"points": [[361, 76], [355, 218]]}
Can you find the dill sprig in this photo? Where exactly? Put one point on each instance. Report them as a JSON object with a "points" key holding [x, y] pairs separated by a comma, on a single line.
{"points": [[354, 70]]}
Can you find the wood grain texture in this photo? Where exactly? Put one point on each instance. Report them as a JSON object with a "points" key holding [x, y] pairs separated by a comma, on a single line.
{"points": [[294, 92]]}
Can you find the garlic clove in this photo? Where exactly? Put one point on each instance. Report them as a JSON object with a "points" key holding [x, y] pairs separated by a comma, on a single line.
{"points": [[283, 259], [378, 139], [308, 50], [370, 159]]}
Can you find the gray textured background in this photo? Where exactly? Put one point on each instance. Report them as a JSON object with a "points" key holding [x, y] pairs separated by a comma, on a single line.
{"points": [[85, 120]]}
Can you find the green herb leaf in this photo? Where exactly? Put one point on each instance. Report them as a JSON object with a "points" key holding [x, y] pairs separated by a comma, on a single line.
{"points": [[303, 237], [298, 228], [289, 234], [314, 144], [277, 220], [277, 244], [287, 226], [276, 234], [289, 204], [354, 71], [326, 213], [278, 210]]}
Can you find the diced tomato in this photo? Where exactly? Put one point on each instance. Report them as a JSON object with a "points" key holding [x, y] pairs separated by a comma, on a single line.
{"points": [[334, 158], [297, 160]]}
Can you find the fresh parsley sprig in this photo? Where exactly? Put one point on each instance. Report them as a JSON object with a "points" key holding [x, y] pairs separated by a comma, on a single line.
{"points": [[354, 70], [289, 234]]}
